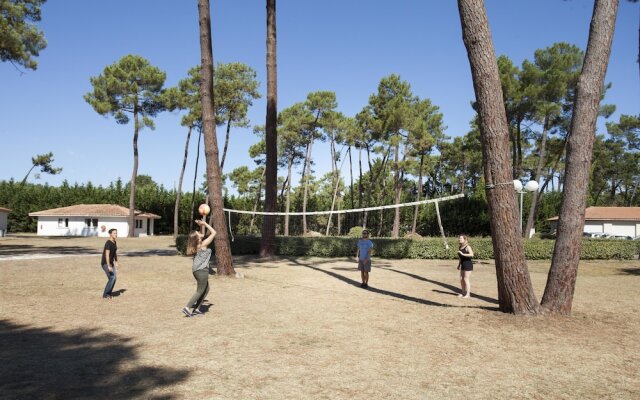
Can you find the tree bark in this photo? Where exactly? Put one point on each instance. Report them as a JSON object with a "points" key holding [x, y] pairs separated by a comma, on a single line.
{"points": [[306, 171], [214, 181], [558, 294], [176, 211], [515, 292], [226, 145], [195, 176], [267, 244], [417, 207], [255, 203], [134, 175], [397, 186], [288, 200], [533, 209]]}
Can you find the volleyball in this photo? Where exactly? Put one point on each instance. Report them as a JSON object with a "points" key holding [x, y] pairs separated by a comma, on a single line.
{"points": [[204, 209]]}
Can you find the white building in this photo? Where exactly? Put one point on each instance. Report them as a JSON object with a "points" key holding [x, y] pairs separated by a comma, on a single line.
{"points": [[616, 221], [92, 220], [4, 213]]}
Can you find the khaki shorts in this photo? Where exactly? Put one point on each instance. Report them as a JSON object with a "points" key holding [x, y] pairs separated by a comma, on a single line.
{"points": [[364, 265]]}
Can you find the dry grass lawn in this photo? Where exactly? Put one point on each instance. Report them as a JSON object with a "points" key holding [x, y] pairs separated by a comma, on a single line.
{"points": [[301, 329]]}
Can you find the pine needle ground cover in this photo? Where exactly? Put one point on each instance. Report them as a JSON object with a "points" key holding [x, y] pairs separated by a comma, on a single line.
{"points": [[301, 328]]}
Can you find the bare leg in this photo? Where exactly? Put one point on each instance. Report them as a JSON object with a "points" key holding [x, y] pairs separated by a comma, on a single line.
{"points": [[365, 278], [462, 286], [467, 284]]}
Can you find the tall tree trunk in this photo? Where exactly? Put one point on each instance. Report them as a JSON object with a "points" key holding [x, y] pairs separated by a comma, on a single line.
{"points": [[334, 198], [226, 145], [176, 211], [27, 175], [380, 200], [372, 179], [363, 218], [267, 244], [134, 175], [307, 171], [288, 201], [558, 294], [255, 203], [533, 209], [335, 176], [519, 143], [415, 211], [195, 176], [397, 186], [214, 181], [515, 292], [353, 204]]}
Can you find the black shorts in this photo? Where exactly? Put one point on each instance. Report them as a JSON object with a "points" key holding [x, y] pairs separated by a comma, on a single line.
{"points": [[467, 266]]}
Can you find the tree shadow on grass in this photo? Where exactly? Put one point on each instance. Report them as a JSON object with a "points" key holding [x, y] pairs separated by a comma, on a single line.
{"points": [[454, 290], [630, 271], [383, 291], [24, 249], [39, 363]]}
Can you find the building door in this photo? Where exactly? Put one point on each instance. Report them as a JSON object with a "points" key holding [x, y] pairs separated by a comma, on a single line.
{"points": [[148, 226]]}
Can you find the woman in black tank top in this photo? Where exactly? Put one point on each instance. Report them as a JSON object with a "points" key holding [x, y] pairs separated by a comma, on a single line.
{"points": [[465, 265]]}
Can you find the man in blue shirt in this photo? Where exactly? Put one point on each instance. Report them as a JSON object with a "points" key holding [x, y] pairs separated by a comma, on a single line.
{"points": [[363, 255]]}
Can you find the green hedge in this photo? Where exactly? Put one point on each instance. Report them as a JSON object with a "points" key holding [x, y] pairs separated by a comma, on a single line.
{"points": [[425, 248]]}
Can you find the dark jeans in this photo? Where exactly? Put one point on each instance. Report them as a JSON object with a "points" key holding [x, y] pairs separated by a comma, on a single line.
{"points": [[202, 277], [111, 276]]}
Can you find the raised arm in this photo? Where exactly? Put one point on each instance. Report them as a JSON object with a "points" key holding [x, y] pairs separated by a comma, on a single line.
{"points": [[212, 233]]}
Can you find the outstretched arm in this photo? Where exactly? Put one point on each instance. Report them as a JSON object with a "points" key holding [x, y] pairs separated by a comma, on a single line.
{"points": [[212, 233]]}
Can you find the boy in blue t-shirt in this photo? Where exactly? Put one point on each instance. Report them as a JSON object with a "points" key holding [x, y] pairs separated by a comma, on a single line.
{"points": [[363, 255]]}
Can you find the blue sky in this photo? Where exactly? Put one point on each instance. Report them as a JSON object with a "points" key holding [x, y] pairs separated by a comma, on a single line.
{"points": [[345, 46]]}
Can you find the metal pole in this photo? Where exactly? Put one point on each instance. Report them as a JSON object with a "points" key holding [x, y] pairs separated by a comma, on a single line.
{"points": [[521, 197]]}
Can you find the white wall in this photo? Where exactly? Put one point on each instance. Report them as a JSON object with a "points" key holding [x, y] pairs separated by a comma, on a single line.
{"points": [[3, 221], [618, 228], [48, 226], [593, 227]]}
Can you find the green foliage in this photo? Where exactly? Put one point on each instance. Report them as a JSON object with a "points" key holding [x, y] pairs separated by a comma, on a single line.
{"points": [[356, 232], [20, 40], [131, 85], [43, 161], [27, 198], [426, 248]]}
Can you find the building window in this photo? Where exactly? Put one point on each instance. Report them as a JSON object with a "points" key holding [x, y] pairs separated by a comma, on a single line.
{"points": [[138, 224], [89, 222], [60, 222]]}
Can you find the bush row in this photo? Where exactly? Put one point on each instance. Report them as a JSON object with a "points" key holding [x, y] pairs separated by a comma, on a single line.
{"points": [[424, 248]]}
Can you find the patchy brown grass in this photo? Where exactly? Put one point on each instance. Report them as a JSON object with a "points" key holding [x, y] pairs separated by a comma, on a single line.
{"points": [[302, 328]]}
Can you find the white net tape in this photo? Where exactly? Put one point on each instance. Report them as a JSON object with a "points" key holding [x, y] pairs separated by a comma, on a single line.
{"points": [[352, 210]]}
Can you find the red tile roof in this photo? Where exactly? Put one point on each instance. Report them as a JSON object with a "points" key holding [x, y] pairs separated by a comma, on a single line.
{"points": [[4, 209], [610, 213], [91, 210]]}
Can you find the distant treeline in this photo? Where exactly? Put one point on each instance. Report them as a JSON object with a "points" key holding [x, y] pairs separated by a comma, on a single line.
{"points": [[23, 199], [467, 215]]}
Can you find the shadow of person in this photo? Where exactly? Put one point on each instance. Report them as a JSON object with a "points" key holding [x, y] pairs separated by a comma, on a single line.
{"points": [[454, 289], [41, 363], [118, 292], [378, 290], [204, 308]]}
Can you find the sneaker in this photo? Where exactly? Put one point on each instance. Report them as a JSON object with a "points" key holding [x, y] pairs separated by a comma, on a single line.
{"points": [[365, 285], [186, 312], [362, 284], [197, 312]]}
